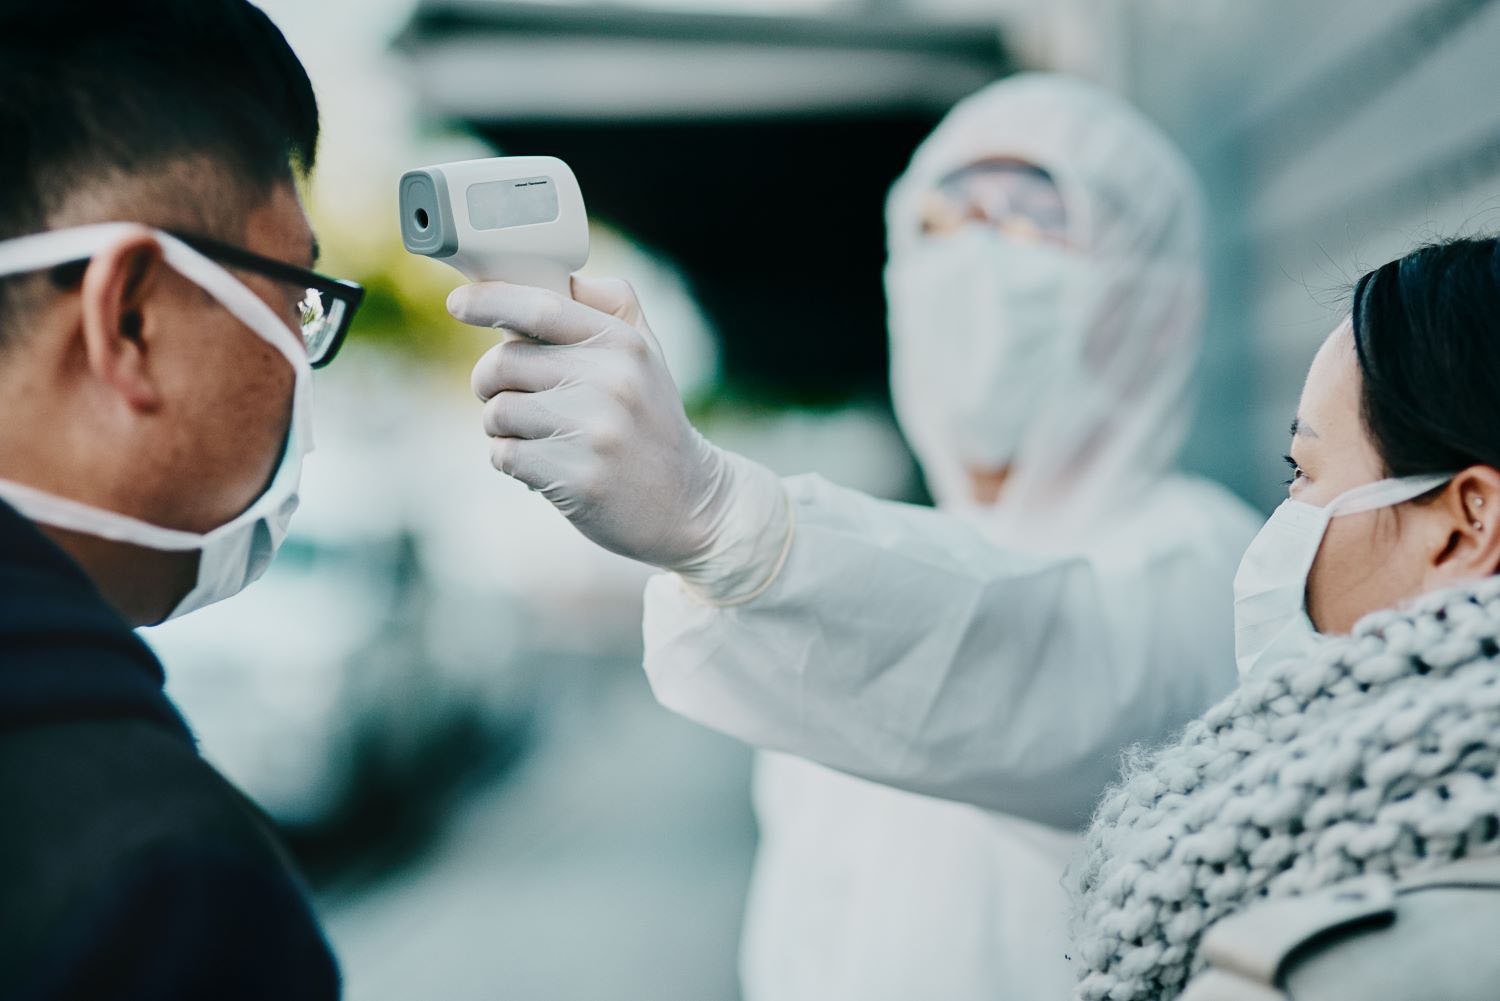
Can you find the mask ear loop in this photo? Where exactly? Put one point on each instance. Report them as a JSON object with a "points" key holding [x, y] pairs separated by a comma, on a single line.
{"points": [[1385, 493], [74, 516], [235, 296], [252, 311], [38, 251]]}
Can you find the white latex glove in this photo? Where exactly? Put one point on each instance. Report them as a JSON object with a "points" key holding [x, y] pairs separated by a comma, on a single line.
{"points": [[586, 413]]}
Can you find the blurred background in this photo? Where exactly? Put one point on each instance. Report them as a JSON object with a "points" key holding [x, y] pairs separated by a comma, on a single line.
{"points": [[436, 690]]}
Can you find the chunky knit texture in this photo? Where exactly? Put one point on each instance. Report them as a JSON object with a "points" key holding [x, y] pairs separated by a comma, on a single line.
{"points": [[1378, 754]]}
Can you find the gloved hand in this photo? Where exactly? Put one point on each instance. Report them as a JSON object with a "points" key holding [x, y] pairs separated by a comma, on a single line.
{"points": [[586, 413]]}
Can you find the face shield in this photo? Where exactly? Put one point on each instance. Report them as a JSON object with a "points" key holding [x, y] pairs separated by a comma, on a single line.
{"points": [[1018, 200]]}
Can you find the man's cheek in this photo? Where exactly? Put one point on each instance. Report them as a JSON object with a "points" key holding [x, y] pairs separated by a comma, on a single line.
{"points": [[263, 415], [272, 389]]}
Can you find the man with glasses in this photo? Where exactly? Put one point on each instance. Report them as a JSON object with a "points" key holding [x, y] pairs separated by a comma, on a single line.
{"points": [[158, 327]]}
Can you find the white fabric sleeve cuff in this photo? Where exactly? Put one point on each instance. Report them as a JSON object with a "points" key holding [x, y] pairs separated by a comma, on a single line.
{"points": [[753, 537]]}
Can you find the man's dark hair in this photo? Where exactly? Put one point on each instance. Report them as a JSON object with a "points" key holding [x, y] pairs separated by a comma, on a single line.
{"points": [[93, 91], [1427, 333]]}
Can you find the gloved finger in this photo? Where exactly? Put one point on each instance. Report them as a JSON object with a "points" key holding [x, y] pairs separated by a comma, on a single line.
{"points": [[534, 312], [614, 296], [518, 365], [529, 462], [522, 415], [506, 456]]}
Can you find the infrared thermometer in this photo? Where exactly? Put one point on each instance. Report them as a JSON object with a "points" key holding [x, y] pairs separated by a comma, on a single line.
{"points": [[517, 219]]}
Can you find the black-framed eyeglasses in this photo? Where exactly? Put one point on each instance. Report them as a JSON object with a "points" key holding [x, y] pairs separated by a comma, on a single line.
{"points": [[324, 312], [327, 306]]}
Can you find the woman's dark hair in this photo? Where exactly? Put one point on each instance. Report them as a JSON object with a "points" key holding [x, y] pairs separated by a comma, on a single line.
{"points": [[1427, 334]]}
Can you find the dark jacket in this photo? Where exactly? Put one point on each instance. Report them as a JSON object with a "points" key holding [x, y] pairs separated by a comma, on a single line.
{"points": [[129, 868]]}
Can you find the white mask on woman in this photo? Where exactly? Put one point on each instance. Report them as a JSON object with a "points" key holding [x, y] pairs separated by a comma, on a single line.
{"points": [[1270, 589], [236, 553]]}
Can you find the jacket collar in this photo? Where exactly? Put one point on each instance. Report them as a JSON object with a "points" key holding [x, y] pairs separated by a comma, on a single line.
{"points": [[65, 654]]}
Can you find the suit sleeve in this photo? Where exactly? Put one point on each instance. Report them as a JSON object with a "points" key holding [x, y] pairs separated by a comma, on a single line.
{"points": [[898, 645]]}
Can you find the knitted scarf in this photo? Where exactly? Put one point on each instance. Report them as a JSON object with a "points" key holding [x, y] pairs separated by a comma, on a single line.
{"points": [[1378, 754]]}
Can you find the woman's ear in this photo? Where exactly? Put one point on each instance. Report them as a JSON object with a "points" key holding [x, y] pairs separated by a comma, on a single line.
{"points": [[1468, 513], [117, 284]]}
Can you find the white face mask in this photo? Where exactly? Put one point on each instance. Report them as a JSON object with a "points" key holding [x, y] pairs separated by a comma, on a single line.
{"points": [[236, 553], [980, 335], [1270, 589]]}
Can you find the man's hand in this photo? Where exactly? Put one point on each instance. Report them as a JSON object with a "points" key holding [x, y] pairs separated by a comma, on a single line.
{"points": [[585, 412]]}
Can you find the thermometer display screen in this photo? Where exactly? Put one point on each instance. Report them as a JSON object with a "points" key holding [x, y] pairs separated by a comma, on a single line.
{"points": [[520, 201]]}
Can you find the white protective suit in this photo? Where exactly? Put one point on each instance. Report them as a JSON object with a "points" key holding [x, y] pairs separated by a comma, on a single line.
{"points": [[991, 666]]}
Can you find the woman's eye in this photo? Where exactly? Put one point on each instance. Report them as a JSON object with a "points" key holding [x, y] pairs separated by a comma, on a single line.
{"points": [[1297, 472]]}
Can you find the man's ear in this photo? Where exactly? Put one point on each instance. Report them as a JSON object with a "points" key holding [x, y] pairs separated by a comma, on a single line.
{"points": [[1468, 513], [117, 285]]}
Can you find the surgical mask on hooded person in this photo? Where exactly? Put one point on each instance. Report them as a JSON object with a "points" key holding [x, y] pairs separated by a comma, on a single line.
{"points": [[236, 553], [1271, 623], [983, 328]]}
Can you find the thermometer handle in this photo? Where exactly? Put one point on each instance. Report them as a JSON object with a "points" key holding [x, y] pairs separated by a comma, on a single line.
{"points": [[516, 270]]}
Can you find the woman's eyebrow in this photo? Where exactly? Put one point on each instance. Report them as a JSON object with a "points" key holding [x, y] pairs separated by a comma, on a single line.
{"points": [[1299, 427]]}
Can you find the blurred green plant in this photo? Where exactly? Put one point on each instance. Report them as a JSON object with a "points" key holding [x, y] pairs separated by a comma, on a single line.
{"points": [[404, 309]]}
